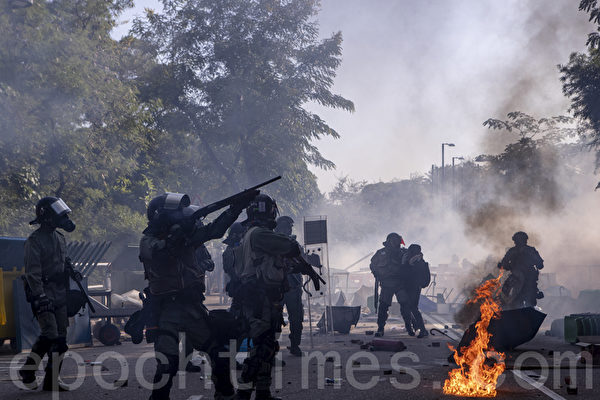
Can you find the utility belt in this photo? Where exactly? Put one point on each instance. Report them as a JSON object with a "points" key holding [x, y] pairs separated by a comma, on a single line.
{"points": [[60, 278], [148, 317], [254, 289]]}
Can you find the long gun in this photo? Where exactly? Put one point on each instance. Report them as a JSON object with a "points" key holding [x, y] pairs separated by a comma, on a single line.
{"points": [[300, 265], [217, 205], [76, 276]]}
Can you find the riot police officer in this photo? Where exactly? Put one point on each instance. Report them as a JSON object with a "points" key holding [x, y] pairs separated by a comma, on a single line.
{"points": [[45, 287], [292, 299], [264, 282], [176, 285], [419, 278], [524, 263], [233, 241], [386, 266]]}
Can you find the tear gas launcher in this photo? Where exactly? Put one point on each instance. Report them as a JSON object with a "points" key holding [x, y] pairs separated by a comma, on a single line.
{"points": [[202, 212]]}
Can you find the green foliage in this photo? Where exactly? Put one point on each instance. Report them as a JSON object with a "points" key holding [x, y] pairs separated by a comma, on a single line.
{"points": [[206, 98], [237, 75], [70, 122], [591, 7], [581, 79], [581, 82], [527, 170]]}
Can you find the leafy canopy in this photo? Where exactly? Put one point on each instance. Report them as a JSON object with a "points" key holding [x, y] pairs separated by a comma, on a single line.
{"points": [[240, 74]]}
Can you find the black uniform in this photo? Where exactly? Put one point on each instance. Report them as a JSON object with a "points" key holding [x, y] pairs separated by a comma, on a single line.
{"points": [[292, 299], [46, 280], [264, 282], [45, 252], [388, 269], [418, 277], [524, 263], [176, 283]]}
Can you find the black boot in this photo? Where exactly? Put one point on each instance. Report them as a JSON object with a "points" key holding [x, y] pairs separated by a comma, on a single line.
{"points": [[28, 377], [294, 346], [379, 332], [295, 351], [423, 333], [169, 369], [52, 382], [38, 351]]}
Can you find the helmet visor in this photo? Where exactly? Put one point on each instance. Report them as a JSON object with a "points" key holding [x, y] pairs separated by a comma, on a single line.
{"points": [[60, 207], [175, 201]]}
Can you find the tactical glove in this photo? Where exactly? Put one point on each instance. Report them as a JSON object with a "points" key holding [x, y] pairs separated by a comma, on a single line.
{"points": [[42, 304], [243, 201]]}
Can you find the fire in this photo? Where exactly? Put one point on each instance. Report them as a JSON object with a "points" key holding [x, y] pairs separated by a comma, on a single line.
{"points": [[475, 377]]}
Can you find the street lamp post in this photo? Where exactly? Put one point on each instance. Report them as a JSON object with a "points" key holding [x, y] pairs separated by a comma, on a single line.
{"points": [[443, 169]]}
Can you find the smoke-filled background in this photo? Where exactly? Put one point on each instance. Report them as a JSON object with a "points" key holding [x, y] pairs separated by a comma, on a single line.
{"points": [[107, 105], [423, 73]]}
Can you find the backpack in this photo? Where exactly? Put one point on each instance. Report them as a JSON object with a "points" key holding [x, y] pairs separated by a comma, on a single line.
{"points": [[423, 274], [267, 268]]}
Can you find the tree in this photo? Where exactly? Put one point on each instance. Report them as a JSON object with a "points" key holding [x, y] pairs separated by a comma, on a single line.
{"points": [[591, 7], [70, 122], [240, 75], [527, 169], [581, 80]]}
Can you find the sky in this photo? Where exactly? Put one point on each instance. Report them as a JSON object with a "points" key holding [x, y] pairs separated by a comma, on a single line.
{"points": [[423, 72]]}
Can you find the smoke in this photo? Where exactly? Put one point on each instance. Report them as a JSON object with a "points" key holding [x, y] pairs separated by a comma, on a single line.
{"points": [[549, 32], [422, 73]]}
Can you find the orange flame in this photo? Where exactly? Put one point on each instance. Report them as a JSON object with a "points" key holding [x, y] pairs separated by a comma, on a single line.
{"points": [[474, 377]]}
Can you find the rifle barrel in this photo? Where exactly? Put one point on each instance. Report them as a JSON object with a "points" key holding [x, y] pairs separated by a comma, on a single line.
{"points": [[204, 211]]}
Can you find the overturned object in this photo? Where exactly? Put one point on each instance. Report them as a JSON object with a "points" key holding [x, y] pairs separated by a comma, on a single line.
{"points": [[511, 329], [343, 318]]}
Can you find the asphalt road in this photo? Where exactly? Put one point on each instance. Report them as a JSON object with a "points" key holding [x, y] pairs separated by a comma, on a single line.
{"points": [[345, 372]]}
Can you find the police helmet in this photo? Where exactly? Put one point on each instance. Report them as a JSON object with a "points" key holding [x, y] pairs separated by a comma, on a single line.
{"points": [[167, 201], [394, 240], [53, 210], [520, 238], [262, 209], [236, 231], [284, 225]]}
